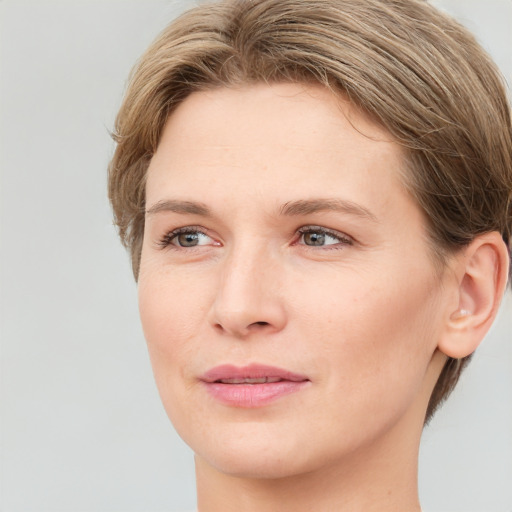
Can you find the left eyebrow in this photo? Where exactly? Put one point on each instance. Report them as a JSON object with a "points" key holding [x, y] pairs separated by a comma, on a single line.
{"points": [[307, 207]]}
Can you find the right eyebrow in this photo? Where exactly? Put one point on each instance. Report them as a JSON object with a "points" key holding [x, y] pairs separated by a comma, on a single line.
{"points": [[176, 206]]}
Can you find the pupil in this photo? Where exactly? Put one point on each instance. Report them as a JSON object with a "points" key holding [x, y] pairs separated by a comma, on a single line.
{"points": [[188, 239], [314, 238]]}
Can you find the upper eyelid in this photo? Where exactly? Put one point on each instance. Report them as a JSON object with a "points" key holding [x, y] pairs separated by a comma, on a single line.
{"points": [[328, 231], [302, 229], [309, 227], [188, 229]]}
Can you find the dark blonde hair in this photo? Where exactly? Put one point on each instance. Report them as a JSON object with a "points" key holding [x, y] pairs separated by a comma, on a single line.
{"points": [[415, 70]]}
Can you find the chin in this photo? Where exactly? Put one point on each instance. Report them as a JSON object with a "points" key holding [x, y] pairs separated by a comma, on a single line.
{"points": [[255, 465], [271, 469], [280, 457], [257, 452]]}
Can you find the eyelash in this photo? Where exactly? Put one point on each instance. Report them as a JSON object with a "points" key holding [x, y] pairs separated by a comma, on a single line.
{"points": [[344, 240], [166, 240]]}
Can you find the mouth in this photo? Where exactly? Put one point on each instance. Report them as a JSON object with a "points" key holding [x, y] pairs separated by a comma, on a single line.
{"points": [[251, 386], [249, 380]]}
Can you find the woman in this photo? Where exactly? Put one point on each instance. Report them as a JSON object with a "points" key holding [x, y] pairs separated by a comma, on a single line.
{"points": [[317, 200]]}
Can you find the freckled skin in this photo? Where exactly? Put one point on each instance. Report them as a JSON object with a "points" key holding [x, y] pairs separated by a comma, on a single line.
{"points": [[360, 318]]}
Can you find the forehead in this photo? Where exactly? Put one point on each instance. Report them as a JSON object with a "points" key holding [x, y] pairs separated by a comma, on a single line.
{"points": [[279, 135]]}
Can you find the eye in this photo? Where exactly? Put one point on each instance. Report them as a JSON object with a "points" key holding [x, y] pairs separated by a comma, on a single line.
{"points": [[314, 236], [190, 239], [187, 237]]}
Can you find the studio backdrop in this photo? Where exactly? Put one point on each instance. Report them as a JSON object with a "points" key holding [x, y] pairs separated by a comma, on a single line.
{"points": [[82, 427]]}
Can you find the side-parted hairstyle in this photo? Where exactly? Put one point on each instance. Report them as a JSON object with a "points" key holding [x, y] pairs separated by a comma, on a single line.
{"points": [[413, 69]]}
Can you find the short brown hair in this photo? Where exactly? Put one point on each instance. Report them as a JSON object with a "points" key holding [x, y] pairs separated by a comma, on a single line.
{"points": [[415, 70]]}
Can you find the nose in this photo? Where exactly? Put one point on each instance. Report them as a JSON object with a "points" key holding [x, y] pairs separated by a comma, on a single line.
{"points": [[249, 294]]}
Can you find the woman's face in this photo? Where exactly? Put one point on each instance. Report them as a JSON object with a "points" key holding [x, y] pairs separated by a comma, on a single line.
{"points": [[287, 293]]}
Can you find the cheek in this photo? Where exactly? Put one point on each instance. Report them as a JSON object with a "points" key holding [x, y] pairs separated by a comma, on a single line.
{"points": [[172, 311], [171, 305], [374, 342]]}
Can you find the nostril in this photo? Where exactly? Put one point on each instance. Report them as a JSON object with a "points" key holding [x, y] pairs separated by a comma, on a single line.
{"points": [[260, 323]]}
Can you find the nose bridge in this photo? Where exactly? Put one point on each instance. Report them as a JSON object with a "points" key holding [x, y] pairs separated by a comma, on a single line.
{"points": [[248, 295]]}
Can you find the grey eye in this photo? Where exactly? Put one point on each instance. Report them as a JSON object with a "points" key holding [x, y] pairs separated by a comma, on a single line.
{"points": [[187, 239], [314, 239], [319, 238], [191, 239]]}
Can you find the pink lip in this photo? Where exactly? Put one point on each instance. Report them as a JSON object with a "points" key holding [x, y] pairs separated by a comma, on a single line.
{"points": [[249, 395], [253, 371]]}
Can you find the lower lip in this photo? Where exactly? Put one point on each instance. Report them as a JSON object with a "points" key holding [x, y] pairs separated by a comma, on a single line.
{"points": [[253, 395]]}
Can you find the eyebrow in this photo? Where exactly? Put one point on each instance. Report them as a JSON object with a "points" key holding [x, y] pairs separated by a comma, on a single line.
{"points": [[176, 206], [291, 208], [307, 207]]}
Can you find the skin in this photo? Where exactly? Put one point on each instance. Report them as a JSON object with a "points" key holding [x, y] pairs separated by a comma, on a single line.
{"points": [[360, 316]]}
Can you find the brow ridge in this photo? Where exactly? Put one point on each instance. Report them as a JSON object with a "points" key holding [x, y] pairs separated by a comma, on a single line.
{"points": [[309, 206], [290, 208], [178, 206]]}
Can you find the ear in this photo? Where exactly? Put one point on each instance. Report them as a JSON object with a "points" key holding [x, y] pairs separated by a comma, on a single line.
{"points": [[481, 272]]}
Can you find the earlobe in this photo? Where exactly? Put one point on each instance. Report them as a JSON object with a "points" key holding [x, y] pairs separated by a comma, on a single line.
{"points": [[482, 270]]}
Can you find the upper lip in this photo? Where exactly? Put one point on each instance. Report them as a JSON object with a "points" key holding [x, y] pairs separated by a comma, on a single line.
{"points": [[252, 371]]}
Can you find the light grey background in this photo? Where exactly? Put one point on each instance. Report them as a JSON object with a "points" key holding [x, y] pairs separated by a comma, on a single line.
{"points": [[81, 423]]}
